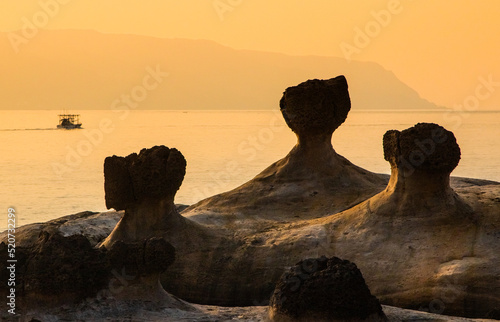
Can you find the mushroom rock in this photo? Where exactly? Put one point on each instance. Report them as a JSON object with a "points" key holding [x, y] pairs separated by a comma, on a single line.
{"points": [[144, 185], [312, 180], [324, 289], [67, 270], [422, 159], [419, 244], [416, 241]]}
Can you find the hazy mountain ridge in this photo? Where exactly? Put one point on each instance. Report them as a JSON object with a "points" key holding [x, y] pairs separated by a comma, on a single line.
{"points": [[89, 70]]}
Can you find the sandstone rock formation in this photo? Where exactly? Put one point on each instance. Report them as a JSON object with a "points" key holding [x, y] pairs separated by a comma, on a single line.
{"points": [[142, 263], [144, 186], [312, 180], [324, 289], [421, 159], [419, 244], [56, 270]]}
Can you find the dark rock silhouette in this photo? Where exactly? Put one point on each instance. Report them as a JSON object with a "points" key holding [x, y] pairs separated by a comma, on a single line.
{"points": [[57, 270], [312, 180], [426, 146], [494, 314], [316, 107], [61, 270], [142, 242], [324, 289], [143, 262], [150, 256], [422, 158], [144, 185], [155, 173], [417, 226]]}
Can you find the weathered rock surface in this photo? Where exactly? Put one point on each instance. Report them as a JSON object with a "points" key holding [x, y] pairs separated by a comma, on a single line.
{"points": [[417, 198], [144, 185], [324, 289], [56, 270], [419, 244], [141, 311], [154, 173], [64, 267], [144, 261], [311, 239], [312, 180]]}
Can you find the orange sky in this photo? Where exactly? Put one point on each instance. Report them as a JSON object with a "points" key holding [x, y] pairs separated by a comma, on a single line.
{"points": [[446, 50]]}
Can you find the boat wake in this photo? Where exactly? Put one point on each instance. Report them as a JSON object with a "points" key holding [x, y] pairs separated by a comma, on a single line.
{"points": [[46, 129]]}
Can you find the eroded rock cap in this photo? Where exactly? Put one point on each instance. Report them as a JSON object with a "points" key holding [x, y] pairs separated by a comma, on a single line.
{"points": [[425, 146], [157, 172], [316, 106]]}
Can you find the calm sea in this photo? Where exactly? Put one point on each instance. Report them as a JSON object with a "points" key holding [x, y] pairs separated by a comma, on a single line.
{"points": [[47, 173]]}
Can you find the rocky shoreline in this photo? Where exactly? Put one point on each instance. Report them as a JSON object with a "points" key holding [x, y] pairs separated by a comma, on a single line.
{"points": [[96, 226], [420, 238]]}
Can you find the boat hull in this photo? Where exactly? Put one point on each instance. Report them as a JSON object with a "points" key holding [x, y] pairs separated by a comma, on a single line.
{"points": [[69, 127]]}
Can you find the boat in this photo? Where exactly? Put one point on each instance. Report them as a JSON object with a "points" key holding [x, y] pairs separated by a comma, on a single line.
{"points": [[69, 121]]}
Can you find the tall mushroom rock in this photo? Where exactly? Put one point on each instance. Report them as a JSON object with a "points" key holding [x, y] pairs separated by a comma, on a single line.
{"points": [[418, 243], [144, 185], [312, 180]]}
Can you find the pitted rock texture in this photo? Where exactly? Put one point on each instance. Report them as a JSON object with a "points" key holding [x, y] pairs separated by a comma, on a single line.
{"points": [[150, 256], [425, 146], [152, 174], [58, 270], [316, 106], [324, 289], [144, 185], [140, 264], [422, 158]]}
